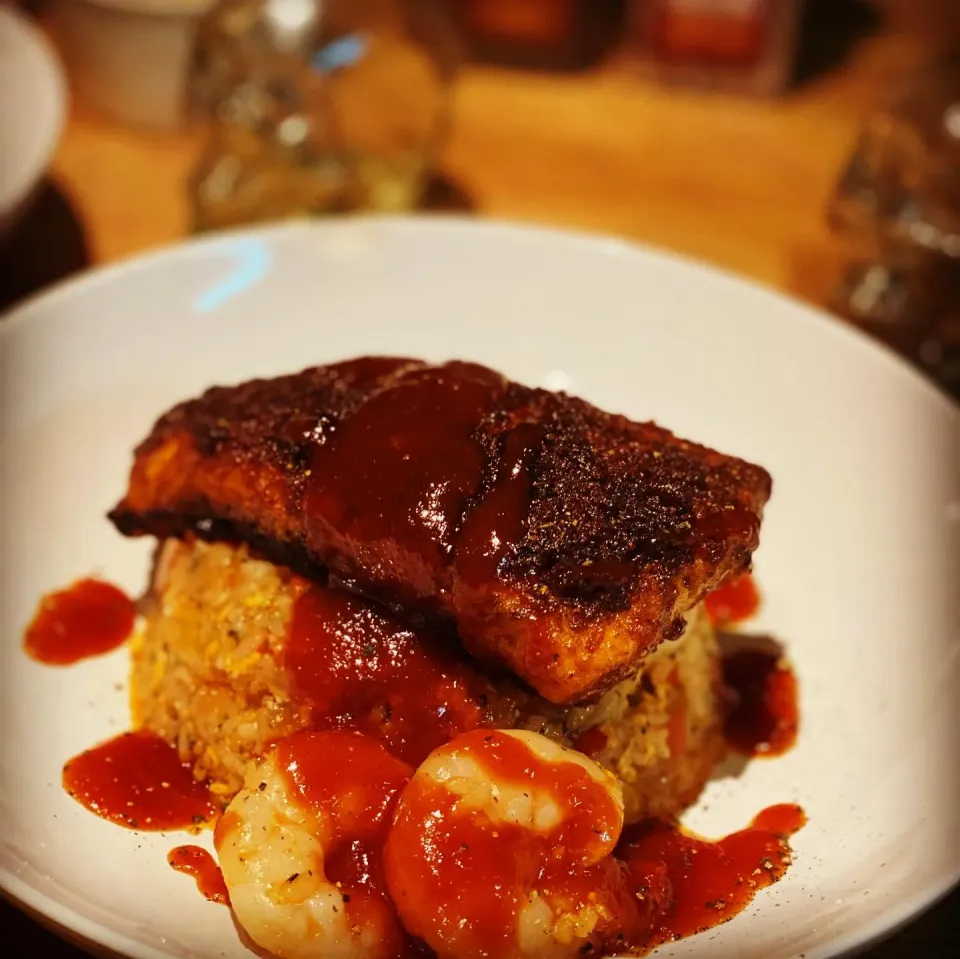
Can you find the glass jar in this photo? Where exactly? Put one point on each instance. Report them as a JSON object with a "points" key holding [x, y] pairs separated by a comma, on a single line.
{"points": [[745, 47], [896, 210], [538, 34], [319, 106]]}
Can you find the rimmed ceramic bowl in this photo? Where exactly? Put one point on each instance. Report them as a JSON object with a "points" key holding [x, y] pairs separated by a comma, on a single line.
{"points": [[859, 563]]}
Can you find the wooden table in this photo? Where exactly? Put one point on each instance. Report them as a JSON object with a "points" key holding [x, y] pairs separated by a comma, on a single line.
{"points": [[740, 184]]}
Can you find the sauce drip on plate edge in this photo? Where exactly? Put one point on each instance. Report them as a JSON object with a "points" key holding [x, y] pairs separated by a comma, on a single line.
{"points": [[763, 712], [706, 883], [138, 781], [197, 862]]}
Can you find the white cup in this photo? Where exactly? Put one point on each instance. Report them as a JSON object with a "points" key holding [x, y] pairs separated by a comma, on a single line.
{"points": [[130, 58]]}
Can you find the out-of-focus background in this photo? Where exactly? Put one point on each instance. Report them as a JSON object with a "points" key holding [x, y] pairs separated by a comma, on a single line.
{"points": [[813, 145], [809, 144]]}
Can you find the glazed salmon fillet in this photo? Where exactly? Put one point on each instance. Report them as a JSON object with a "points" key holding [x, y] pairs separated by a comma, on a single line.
{"points": [[557, 541]]}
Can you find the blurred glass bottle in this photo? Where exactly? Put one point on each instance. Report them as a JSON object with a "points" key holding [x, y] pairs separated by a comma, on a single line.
{"points": [[319, 106], [741, 46], [539, 34], [897, 210]]}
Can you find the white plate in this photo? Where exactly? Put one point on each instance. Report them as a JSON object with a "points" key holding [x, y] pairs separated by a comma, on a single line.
{"points": [[32, 107], [860, 555]]}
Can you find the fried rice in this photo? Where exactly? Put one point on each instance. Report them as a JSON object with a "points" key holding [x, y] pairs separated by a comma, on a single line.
{"points": [[208, 676]]}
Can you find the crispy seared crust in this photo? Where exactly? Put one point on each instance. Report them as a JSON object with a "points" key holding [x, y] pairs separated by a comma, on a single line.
{"points": [[620, 526]]}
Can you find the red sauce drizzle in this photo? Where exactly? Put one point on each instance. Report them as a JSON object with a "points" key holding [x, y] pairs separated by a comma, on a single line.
{"points": [[198, 863], [476, 874], [736, 522], [734, 602], [86, 619], [498, 521], [764, 713], [388, 488], [700, 883], [358, 800], [137, 780], [361, 669]]}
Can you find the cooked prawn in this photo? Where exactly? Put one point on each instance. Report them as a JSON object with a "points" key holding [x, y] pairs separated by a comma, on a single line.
{"points": [[300, 846], [502, 848]]}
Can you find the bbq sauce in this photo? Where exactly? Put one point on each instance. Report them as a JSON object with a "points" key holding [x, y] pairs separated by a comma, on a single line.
{"points": [[763, 714], [86, 619], [475, 870], [353, 782], [498, 522], [389, 488], [197, 862], [427, 488], [423, 487], [707, 882], [137, 780], [735, 602], [359, 668]]}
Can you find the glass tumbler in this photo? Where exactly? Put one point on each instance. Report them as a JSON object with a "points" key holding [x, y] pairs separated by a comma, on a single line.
{"points": [[319, 106]]}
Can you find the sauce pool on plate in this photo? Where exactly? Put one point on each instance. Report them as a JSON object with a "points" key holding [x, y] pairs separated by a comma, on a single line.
{"points": [[764, 713], [86, 619], [709, 881], [137, 780]]}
